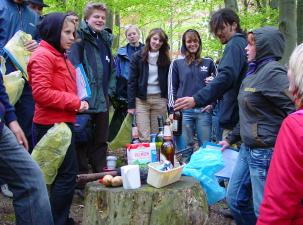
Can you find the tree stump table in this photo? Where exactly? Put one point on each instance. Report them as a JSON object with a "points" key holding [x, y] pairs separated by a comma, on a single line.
{"points": [[181, 203]]}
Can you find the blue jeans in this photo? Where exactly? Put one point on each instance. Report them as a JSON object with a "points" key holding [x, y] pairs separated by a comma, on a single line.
{"points": [[196, 121], [25, 180], [246, 185], [216, 131], [62, 189]]}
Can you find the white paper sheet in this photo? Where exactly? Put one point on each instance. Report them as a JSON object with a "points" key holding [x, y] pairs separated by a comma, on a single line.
{"points": [[229, 157]]}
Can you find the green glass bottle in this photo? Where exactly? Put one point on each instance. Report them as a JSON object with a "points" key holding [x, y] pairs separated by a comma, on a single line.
{"points": [[160, 136]]}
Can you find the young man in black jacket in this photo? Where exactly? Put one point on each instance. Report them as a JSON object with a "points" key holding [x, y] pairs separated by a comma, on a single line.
{"points": [[225, 25]]}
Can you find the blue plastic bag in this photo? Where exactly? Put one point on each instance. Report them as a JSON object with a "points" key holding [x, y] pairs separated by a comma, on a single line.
{"points": [[203, 164]]}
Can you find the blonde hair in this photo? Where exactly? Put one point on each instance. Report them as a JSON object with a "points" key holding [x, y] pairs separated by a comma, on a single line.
{"points": [[132, 26], [90, 7], [296, 68]]}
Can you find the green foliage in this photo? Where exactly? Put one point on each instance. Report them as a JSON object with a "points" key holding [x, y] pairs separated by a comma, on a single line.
{"points": [[174, 16], [253, 19]]}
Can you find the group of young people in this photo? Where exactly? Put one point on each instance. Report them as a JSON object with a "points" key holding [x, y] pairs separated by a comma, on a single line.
{"points": [[255, 98]]}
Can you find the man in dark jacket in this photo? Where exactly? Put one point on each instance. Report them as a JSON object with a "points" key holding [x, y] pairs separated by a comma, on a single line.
{"points": [[19, 171], [94, 53], [225, 25]]}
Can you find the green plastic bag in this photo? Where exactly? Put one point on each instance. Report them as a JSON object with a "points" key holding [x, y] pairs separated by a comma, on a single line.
{"points": [[50, 151], [14, 84], [124, 135]]}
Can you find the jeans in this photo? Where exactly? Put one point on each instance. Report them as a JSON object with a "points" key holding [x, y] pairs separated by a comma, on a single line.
{"points": [[216, 131], [25, 180], [62, 189], [246, 185], [196, 121]]}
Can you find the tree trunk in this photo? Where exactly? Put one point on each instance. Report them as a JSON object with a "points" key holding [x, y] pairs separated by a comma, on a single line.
{"points": [[288, 26], [245, 3], [274, 4], [109, 19], [117, 25], [299, 21], [181, 203], [232, 4]]}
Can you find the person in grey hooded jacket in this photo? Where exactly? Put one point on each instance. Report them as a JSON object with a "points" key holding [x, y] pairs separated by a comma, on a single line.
{"points": [[264, 101]]}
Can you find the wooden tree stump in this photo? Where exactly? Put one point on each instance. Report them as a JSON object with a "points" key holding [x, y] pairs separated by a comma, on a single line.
{"points": [[181, 203]]}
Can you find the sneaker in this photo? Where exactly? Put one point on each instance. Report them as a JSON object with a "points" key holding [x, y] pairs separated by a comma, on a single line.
{"points": [[5, 191]]}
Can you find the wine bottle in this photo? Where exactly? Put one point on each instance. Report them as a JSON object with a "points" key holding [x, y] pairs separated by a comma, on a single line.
{"points": [[177, 123], [168, 147], [159, 137], [135, 133]]}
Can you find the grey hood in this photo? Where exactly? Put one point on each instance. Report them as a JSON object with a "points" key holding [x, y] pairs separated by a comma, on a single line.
{"points": [[269, 43]]}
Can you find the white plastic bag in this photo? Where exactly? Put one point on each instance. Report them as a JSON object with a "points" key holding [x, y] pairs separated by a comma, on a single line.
{"points": [[14, 84], [17, 52]]}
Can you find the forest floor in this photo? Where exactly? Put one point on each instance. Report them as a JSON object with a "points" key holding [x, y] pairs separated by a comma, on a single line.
{"points": [[7, 216]]}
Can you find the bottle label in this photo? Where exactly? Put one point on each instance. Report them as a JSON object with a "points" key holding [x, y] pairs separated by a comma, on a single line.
{"points": [[175, 125], [167, 131]]}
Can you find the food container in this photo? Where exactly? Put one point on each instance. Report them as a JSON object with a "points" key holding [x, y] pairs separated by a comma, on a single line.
{"points": [[159, 179], [111, 162]]}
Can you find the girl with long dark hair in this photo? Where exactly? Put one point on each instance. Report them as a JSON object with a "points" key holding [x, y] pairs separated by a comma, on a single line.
{"points": [[189, 76], [147, 83]]}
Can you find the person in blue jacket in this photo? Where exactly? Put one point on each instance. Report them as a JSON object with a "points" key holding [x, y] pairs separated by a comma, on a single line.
{"points": [[19, 171], [225, 24], [15, 15], [123, 58], [189, 75]]}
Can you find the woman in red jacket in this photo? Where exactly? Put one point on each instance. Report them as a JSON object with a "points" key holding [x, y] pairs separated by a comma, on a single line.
{"points": [[283, 196], [53, 81]]}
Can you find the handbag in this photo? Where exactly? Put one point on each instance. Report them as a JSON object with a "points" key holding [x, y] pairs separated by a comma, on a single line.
{"points": [[83, 128]]}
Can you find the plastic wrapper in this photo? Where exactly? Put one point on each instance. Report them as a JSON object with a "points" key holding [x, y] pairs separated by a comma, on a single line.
{"points": [[50, 151], [203, 165], [14, 84], [17, 52], [123, 137]]}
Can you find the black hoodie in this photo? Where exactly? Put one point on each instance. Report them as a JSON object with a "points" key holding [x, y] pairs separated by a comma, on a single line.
{"points": [[50, 29], [264, 100]]}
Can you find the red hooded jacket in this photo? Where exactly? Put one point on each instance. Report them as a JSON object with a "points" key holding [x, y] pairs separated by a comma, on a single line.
{"points": [[53, 81]]}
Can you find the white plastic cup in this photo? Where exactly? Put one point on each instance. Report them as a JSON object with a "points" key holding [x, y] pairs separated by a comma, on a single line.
{"points": [[131, 176]]}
